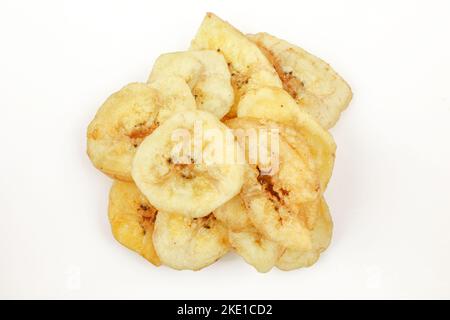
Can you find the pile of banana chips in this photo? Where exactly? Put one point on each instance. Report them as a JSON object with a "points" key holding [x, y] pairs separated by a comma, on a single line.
{"points": [[224, 148]]}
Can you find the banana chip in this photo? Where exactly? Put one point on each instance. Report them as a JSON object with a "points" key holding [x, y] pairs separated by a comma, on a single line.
{"points": [[277, 105], [185, 243], [321, 237], [132, 219], [206, 73], [316, 87], [276, 201], [249, 67], [257, 250], [181, 173], [127, 117]]}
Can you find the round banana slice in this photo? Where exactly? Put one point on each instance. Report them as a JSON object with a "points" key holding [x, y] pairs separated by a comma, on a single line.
{"points": [[321, 237], [127, 117], [185, 243], [276, 199], [206, 73], [257, 250], [316, 87], [249, 67], [188, 165], [132, 219], [277, 105]]}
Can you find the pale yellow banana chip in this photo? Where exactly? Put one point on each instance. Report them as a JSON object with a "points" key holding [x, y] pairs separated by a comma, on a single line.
{"points": [[277, 105], [127, 117], [184, 243], [276, 201], [249, 67], [321, 237], [206, 73], [172, 168], [252, 246], [316, 87]]}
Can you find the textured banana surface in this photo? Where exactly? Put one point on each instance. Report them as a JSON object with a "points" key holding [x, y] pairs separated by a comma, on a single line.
{"points": [[205, 71], [175, 177], [316, 87], [132, 219], [276, 199], [277, 105], [250, 68], [251, 245], [321, 237], [127, 117], [186, 243]]}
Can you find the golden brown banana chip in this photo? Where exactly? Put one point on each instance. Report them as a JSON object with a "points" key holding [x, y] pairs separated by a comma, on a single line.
{"points": [[250, 69], [132, 219], [321, 237], [127, 117], [316, 87]]}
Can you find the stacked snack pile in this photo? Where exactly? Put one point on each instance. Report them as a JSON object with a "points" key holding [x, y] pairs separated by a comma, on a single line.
{"points": [[185, 193]]}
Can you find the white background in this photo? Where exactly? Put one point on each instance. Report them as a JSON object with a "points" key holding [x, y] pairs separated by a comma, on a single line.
{"points": [[389, 195]]}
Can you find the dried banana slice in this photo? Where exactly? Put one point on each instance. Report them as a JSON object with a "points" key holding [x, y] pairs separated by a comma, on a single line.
{"points": [[316, 87], [277, 105], [276, 202], [185, 243], [180, 170], [127, 117], [257, 250], [321, 237], [206, 73], [249, 67], [132, 219]]}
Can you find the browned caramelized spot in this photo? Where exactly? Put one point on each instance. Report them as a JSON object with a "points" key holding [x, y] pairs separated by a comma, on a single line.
{"points": [[209, 220], [267, 183], [184, 169], [258, 239], [148, 214], [204, 222], [228, 116], [94, 134], [141, 131], [198, 95], [290, 82], [238, 80]]}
